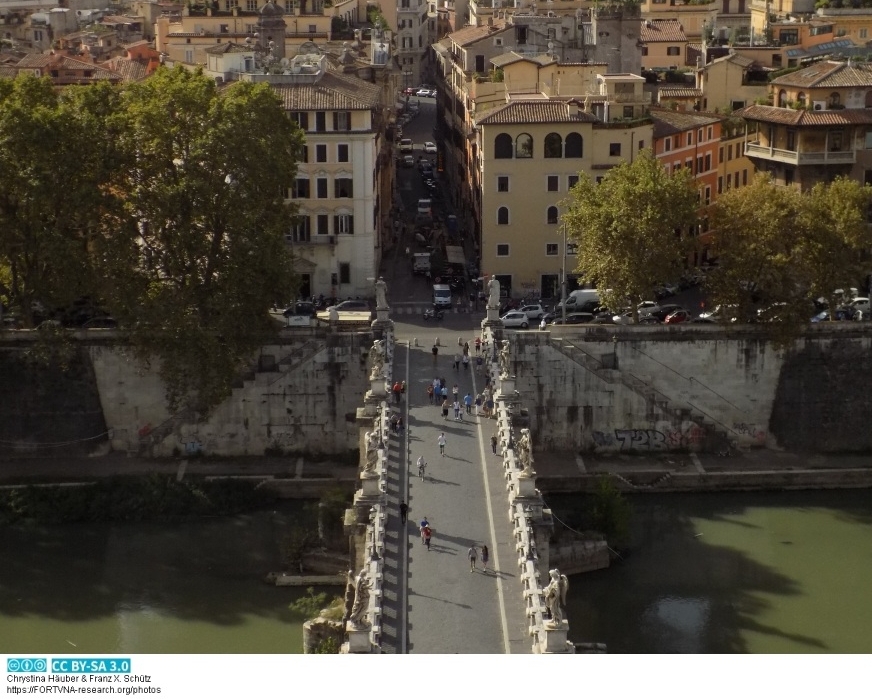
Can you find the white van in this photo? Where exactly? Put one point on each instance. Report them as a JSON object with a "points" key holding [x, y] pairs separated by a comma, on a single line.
{"points": [[441, 296], [579, 298]]}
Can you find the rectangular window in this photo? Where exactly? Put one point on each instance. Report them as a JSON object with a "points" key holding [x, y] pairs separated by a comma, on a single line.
{"points": [[322, 187], [343, 223], [673, 50], [553, 183], [721, 154], [689, 138], [676, 166], [341, 121], [708, 195], [479, 63], [678, 140], [736, 179], [300, 232], [689, 165], [342, 153], [709, 134], [503, 183], [788, 176], [551, 249], [744, 177], [304, 153], [251, 5], [708, 162], [313, 28], [320, 121], [301, 188], [730, 152], [667, 146], [628, 111], [344, 273], [720, 184], [321, 153], [572, 181], [502, 250], [343, 188], [614, 149], [699, 136], [571, 248], [301, 119], [323, 224]]}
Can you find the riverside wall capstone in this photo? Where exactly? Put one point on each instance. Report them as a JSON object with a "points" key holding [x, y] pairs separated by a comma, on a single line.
{"points": [[674, 386]]}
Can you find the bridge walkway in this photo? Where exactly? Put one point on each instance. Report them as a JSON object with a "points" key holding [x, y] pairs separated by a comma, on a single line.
{"points": [[449, 609]]}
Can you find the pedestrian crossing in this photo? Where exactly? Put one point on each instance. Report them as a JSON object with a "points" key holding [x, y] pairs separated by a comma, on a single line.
{"points": [[419, 309]]}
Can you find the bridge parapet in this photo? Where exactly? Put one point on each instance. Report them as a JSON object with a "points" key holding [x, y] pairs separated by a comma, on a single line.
{"points": [[531, 521]]}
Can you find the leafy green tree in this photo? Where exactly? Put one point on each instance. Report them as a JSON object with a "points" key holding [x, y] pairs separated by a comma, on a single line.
{"points": [[51, 195], [610, 512], [835, 233], [628, 228], [200, 255], [756, 239]]}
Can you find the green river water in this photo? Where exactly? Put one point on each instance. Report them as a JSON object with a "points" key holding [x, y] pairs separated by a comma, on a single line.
{"points": [[731, 573], [751, 572]]}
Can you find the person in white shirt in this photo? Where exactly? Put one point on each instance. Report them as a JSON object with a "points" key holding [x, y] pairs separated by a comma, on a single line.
{"points": [[422, 465], [441, 442]]}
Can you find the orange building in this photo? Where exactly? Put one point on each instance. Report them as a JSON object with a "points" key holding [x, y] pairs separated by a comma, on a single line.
{"points": [[691, 140]]}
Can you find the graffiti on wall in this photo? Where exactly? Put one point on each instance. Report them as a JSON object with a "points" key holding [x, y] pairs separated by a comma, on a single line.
{"points": [[663, 437], [750, 431]]}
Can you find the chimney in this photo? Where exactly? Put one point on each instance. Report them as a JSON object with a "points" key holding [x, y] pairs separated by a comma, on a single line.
{"points": [[490, 21]]}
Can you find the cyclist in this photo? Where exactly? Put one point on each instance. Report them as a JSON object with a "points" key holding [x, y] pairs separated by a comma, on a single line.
{"points": [[422, 465]]}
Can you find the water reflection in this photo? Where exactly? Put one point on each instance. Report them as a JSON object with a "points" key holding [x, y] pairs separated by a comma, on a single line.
{"points": [[147, 588], [722, 573]]}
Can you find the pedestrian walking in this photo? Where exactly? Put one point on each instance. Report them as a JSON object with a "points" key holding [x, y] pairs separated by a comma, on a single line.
{"points": [[467, 401], [435, 354], [494, 442], [444, 391], [456, 361], [441, 442], [428, 533], [466, 348], [422, 466], [403, 388], [404, 511], [489, 407], [397, 389], [477, 345], [472, 553], [457, 415], [479, 363], [430, 393], [455, 391], [465, 362], [485, 555], [478, 402], [424, 524], [444, 409]]}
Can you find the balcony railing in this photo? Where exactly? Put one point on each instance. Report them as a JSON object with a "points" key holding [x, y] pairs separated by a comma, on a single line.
{"points": [[755, 150]]}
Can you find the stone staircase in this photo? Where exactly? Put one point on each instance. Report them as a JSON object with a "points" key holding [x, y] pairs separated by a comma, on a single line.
{"points": [[715, 437]]}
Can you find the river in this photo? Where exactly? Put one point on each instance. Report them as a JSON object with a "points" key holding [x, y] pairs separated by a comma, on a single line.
{"points": [[786, 572], [148, 588]]}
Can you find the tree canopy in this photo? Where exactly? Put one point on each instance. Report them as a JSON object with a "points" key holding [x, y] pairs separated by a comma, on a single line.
{"points": [[630, 228], [162, 199]]}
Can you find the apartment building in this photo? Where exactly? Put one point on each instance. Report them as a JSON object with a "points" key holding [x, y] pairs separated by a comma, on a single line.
{"points": [[409, 20], [819, 125], [664, 44], [529, 152], [692, 141]]}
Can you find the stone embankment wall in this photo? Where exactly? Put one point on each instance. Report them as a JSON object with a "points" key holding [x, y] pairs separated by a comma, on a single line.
{"points": [[606, 388], [299, 396]]}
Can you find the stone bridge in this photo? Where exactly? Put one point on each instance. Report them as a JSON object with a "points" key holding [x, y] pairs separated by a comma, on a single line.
{"points": [[405, 596]]}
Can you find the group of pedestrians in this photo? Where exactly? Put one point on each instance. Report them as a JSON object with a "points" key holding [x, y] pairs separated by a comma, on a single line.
{"points": [[473, 553]]}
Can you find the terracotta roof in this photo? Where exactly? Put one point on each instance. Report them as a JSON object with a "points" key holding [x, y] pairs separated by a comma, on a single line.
{"points": [[469, 35], [654, 30], [537, 112], [35, 60], [7, 71], [51, 61], [804, 117], [668, 122], [121, 19], [331, 91], [678, 92], [738, 59], [513, 57], [131, 70], [829, 74], [229, 47]]}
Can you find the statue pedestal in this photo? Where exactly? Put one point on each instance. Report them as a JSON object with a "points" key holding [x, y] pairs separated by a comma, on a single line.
{"points": [[493, 323], [525, 486], [505, 389], [358, 639], [553, 639], [369, 485], [382, 325], [493, 313]]}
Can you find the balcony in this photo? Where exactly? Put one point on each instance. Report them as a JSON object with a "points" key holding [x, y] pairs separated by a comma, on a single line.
{"points": [[755, 150]]}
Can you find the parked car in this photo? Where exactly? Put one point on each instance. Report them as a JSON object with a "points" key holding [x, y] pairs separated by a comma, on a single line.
{"points": [[350, 305], [573, 319], [861, 306], [101, 322], [423, 92], [406, 146], [429, 147], [679, 316], [534, 311], [659, 312], [515, 319], [301, 308]]}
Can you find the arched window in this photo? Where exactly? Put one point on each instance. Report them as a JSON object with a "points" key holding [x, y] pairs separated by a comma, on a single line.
{"points": [[552, 215], [503, 216], [574, 146], [782, 98], [835, 99], [524, 146], [801, 99], [503, 146], [553, 146]]}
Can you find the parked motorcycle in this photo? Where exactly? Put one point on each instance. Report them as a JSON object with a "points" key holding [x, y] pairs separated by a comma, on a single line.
{"points": [[433, 315]]}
